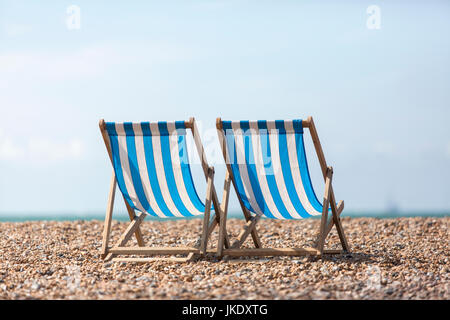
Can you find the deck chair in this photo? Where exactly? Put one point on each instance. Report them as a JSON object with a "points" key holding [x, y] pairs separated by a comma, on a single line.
{"points": [[151, 167], [267, 165]]}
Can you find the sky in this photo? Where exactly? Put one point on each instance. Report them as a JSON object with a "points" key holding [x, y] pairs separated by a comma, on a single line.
{"points": [[376, 83]]}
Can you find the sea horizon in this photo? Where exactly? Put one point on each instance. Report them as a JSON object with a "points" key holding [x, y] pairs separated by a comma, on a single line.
{"points": [[123, 216]]}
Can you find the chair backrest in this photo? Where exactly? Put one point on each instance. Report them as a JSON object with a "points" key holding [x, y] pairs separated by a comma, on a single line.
{"points": [[269, 168], [152, 169]]}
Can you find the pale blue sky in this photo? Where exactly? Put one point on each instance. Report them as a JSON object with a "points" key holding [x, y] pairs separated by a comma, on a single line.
{"points": [[380, 98]]}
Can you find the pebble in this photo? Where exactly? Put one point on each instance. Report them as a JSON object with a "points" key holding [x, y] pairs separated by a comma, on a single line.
{"points": [[35, 286], [402, 258]]}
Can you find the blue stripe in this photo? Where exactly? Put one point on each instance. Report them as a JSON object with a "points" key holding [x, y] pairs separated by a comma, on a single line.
{"points": [[186, 169], [226, 125], [304, 172], [180, 125], [163, 130], [251, 169], [279, 125], [229, 136], [270, 174], [286, 168], [151, 169], [262, 126], [116, 163], [134, 168], [298, 126], [146, 131], [168, 168], [111, 128]]}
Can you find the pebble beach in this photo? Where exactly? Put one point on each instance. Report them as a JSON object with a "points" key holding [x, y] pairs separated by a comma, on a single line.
{"points": [[401, 258]]}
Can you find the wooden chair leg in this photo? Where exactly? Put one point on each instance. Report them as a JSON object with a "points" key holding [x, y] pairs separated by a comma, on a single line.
{"points": [[326, 204], [248, 228], [206, 168], [214, 223], [222, 233], [204, 239], [217, 220], [132, 227], [324, 228], [226, 242], [340, 208], [108, 217], [323, 166], [223, 216], [254, 233], [137, 233], [337, 223]]}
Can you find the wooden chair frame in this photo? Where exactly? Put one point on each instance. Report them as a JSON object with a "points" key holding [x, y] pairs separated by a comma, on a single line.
{"points": [[252, 220], [200, 248]]}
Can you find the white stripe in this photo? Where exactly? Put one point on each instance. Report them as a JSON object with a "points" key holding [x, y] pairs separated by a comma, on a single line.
{"points": [[171, 129], [123, 154], [176, 165], [295, 170], [154, 129], [120, 129], [143, 171], [160, 172], [238, 139], [261, 174], [278, 172]]}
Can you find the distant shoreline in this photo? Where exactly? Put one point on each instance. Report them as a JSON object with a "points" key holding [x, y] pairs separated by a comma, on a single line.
{"points": [[122, 216]]}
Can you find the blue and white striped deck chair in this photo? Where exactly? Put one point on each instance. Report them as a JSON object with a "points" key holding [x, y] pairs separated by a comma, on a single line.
{"points": [[151, 167], [267, 164]]}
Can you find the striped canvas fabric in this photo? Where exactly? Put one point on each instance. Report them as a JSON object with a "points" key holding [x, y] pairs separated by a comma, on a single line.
{"points": [[152, 168], [270, 170]]}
